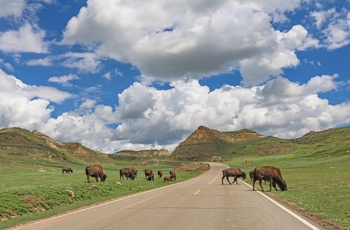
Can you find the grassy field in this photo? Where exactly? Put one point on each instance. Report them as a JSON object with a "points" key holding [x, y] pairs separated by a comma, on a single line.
{"points": [[32, 189], [318, 186]]}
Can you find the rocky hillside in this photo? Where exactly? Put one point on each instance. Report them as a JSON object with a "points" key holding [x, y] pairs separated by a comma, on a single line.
{"points": [[22, 143], [205, 144], [211, 145], [153, 153]]}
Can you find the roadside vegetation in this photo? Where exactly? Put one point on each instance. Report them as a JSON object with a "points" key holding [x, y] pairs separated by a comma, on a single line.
{"points": [[318, 186], [32, 190]]}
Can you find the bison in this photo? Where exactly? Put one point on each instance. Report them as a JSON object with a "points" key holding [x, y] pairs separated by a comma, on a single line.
{"points": [[95, 171], [271, 174], [232, 172], [149, 174], [167, 179], [160, 173], [127, 172], [172, 175], [67, 170]]}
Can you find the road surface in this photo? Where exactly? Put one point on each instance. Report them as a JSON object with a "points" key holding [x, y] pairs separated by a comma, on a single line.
{"points": [[200, 203]]}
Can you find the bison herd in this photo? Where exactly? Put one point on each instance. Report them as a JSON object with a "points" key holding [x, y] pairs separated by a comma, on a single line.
{"points": [[269, 174], [97, 172]]}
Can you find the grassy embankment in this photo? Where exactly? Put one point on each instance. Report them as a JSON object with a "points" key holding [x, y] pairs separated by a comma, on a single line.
{"points": [[34, 189], [319, 184]]}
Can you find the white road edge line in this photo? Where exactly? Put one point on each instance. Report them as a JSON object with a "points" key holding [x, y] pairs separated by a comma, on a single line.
{"points": [[285, 209], [82, 209]]}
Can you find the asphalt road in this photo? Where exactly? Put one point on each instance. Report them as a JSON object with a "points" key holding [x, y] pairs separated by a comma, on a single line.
{"points": [[200, 203]]}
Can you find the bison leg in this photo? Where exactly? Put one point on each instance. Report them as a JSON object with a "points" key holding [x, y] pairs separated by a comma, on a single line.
{"points": [[228, 179], [88, 179], [222, 179], [271, 183], [274, 184], [235, 180], [260, 181]]}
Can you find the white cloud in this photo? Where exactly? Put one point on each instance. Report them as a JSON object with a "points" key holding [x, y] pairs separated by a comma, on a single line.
{"points": [[279, 108], [64, 79], [84, 62], [11, 8], [335, 26], [84, 129], [190, 40], [150, 118], [26, 106], [26, 39], [40, 62]]}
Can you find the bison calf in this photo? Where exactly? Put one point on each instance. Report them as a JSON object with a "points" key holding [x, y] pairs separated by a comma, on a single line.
{"points": [[167, 179], [67, 170], [232, 172]]}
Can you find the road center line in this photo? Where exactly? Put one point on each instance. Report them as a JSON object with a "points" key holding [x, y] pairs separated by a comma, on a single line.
{"points": [[210, 182], [197, 192]]}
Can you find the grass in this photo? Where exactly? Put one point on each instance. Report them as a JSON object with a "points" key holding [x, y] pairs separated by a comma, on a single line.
{"points": [[32, 191], [319, 185]]}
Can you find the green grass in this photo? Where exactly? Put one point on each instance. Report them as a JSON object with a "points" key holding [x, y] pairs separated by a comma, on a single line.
{"points": [[33, 191], [318, 184]]}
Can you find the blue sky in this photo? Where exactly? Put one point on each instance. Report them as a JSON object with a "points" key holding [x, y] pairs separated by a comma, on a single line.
{"points": [[117, 75]]}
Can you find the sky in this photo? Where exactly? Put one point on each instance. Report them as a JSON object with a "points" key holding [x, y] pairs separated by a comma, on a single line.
{"points": [[133, 75]]}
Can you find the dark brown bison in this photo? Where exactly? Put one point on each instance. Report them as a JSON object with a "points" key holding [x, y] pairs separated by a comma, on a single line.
{"points": [[172, 175], [67, 170], [167, 179], [160, 173], [271, 174], [149, 174], [95, 171], [127, 172], [232, 172]]}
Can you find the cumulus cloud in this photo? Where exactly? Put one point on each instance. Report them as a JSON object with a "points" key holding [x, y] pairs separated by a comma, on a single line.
{"points": [[26, 39], [279, 108], [24, 105], [147, 117], [190, 40]]}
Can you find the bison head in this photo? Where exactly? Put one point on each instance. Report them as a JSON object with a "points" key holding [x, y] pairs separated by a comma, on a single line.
{"points": [[244, 175], [103, 178], [283, 185]]}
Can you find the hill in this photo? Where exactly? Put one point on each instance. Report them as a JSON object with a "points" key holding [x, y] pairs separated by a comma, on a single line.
{"points": [[18, 143], [152, 153], [206, 144]]}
